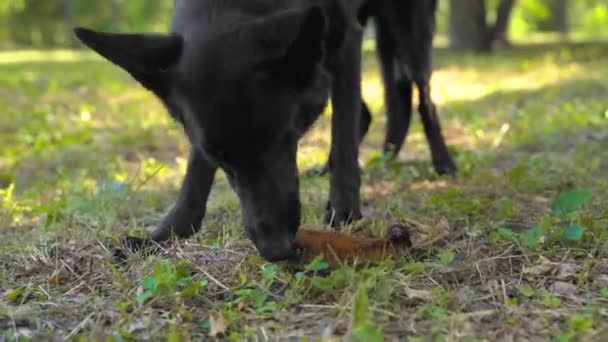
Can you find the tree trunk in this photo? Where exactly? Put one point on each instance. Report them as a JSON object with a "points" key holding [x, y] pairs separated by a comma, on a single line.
{"points": [[70, 22], [468, 27], [559, 15], [503, 17]]}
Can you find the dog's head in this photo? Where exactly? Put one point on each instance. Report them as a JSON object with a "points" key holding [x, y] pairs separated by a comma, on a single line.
{"points": [[245, 94]]}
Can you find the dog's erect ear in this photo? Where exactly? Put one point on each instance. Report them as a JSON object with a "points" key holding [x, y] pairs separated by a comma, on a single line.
{"points": [[294, 40], [146, 57]]}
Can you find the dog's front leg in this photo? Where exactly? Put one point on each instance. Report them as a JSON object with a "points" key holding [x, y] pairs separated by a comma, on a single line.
{"points": [[186, 216], [345, 180]]}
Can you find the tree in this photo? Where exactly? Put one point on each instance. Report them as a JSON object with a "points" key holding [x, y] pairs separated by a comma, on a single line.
{"points": [[469, 28], [503, 17], [559, 15]]}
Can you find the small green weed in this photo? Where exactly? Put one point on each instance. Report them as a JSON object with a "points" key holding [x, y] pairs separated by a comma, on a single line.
{"points": [[578, 326], [564, 225], [255, 295], [168, 279], [362, 325], [526, 290]]}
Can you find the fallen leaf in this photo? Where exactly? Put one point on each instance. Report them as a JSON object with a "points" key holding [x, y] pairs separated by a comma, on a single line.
{"points": [[424, 236], [563, 288], [136, 327], [462, 297], [218, 325], [566, 290], [544, 268], [242, 306], [557, 271], [56, 278], [567, 271]]}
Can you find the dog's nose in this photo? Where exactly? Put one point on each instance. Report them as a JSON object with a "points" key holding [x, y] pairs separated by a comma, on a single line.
{"points": [[274, 249]]}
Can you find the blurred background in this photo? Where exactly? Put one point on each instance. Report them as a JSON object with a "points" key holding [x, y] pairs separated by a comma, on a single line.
{"points": [[463, 24]]}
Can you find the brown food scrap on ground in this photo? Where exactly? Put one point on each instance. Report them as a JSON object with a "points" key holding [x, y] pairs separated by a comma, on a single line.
{"points": [[338, 247]]}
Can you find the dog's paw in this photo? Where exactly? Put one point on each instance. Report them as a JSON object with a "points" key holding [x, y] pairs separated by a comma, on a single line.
{"points": [[317, 171], [128, 245], [338, 218], [445, 166]]}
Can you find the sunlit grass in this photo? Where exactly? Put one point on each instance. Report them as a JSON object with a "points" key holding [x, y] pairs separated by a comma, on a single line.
{"points": [[87, 155], [56, 56]]}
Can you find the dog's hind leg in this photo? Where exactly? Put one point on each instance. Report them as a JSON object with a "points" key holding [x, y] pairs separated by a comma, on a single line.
{"points": [[398, 92], [366, 120], [442, 160]]}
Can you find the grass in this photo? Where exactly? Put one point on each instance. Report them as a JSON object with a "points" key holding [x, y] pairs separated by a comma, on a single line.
{"points": [[88, 156]]}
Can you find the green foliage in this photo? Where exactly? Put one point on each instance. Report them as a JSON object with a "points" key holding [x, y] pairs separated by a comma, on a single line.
{"points": [[573, 233], [255, 295], [433, 312], [49, 23], [570, 201], [580, 322], [11, 5], [549, 300], [14, 296], [531, 237], [526, 290], [563, 225], [339, 278], [9, 206], [316, 265], [362, 325], [170, 280], [586, 18], [578, 327]]}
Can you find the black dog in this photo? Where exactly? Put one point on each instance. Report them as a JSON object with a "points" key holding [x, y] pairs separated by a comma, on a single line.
{"points": [[246, 79]]}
